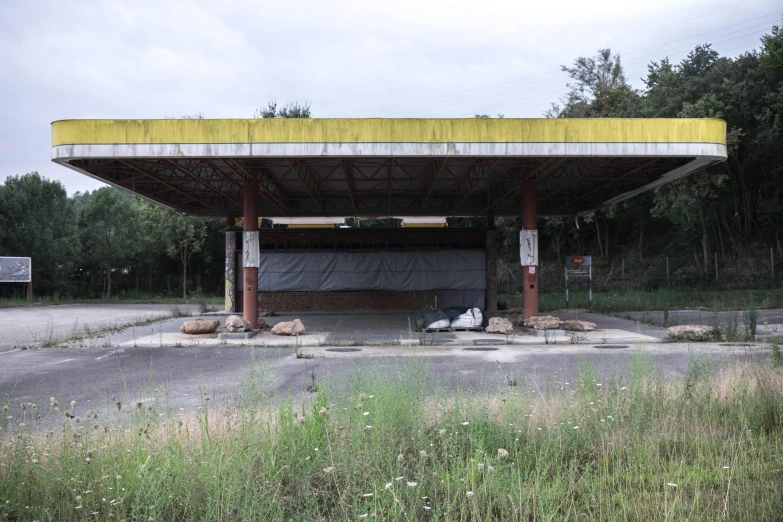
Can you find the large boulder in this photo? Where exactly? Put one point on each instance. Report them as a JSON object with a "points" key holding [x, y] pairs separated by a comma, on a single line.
{"points": [[294, 327], [199, 326], [578, 326], [235, 324], [499, 325], [691, 332], [543, 322]]}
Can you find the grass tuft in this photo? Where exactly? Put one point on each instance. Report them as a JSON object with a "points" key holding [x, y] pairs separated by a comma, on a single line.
{"points": [[397, 446]]}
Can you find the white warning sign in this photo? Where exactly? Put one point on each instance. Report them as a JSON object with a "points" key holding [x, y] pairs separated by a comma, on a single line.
{"points": [[528, 247]]}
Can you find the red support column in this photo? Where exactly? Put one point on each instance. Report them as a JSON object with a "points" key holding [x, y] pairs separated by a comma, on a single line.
{"points": [[530, 222], [251, 254]]}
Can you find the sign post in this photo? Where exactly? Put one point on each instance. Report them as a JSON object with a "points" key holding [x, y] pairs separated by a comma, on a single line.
{"points": [[579, 267], [17, 270]]}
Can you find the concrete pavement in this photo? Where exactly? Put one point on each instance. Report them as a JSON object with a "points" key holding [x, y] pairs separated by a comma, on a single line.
{"points": [[181, 379], [30, 326]]}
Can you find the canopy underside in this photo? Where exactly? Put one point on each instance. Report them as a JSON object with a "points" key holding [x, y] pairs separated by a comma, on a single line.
{"points": [[299, 176]]}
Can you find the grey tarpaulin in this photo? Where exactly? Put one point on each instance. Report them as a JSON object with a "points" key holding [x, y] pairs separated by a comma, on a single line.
{"points": [[469, 298], [334, 271]]}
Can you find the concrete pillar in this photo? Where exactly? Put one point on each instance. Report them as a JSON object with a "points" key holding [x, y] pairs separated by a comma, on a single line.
{"points": [[492, 264], [530, 233], [250, 254], [231, 266]]}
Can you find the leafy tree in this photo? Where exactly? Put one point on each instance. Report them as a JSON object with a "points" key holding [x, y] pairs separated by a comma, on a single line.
{"points": [[184, 237], [37, 220], [109, 230], [598, 89]]}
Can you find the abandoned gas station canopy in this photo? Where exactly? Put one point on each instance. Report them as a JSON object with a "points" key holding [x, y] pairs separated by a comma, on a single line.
{"points": [[387, 167]]}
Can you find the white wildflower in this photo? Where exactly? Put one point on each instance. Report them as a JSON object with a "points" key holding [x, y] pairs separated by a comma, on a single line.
{"points": [[502, 454], [671, 484], [411, 484], [469, 494]]}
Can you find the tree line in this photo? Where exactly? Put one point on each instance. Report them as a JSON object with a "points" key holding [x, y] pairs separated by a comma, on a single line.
{"points": [[101, 243]]}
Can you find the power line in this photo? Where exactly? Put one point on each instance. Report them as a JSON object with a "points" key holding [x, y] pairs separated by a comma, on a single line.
{"points": [[462, 95], [517, 103]]}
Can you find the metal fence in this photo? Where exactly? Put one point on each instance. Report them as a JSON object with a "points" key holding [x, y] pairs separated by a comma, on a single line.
{"points": [[685, 271]]}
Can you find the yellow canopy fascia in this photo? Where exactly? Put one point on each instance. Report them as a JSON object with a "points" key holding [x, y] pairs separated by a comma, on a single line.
{"points": [[413, 130]]}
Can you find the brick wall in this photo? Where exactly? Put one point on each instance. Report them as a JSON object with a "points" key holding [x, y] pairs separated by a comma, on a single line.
{"points": [[346, 301]]}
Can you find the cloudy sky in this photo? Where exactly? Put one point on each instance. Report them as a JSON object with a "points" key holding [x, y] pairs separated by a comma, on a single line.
{"points": [[397, 58]]}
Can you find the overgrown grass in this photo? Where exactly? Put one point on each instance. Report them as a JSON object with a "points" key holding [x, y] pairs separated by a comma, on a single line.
{"points": [[386, 446], [661, 299]]}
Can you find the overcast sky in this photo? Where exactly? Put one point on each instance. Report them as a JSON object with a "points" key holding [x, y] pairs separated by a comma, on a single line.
{"points": [[398, 58]]}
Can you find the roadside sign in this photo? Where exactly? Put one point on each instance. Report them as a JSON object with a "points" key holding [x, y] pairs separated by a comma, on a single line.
{"points": [[578, 261], [579, 267], [15, 270]]}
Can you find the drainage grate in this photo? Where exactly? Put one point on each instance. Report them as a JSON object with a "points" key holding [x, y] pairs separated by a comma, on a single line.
{"points": [[481, 342], [343, 349], [481, 349], [611, 346]]}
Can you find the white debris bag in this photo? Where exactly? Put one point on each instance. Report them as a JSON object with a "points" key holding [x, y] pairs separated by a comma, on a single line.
{"points": [[443, 323], [470, 319]]}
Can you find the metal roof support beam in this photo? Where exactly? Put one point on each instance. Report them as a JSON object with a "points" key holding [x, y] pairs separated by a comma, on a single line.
{"points": [[469, 183], [633, 171], [204, 183], [187, 196], [547, 167], [391, 180], [271, 198], [437, 168], [301, 170], [581, 176], [348, 177]]}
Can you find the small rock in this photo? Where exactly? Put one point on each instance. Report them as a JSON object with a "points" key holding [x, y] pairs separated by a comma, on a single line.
{"points": [[543, 322], [578, 326], [235, 324], [199, 326], [263, 312], [691, 332], [294, 327], [499, 325]]}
